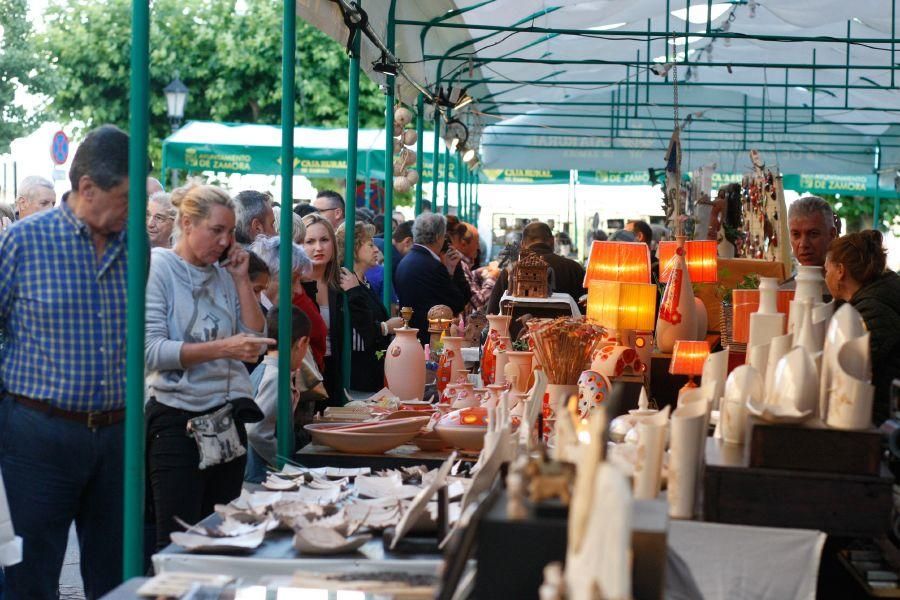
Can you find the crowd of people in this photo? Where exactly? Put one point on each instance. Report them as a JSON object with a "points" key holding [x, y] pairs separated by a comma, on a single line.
{"points": [[212, 330]]}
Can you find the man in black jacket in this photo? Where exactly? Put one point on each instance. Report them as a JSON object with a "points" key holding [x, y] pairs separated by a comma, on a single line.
{"points": [[568, 275], [429, 275]]}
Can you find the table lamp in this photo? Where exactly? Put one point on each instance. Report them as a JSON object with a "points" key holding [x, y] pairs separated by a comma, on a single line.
{"points": [[688, 358], [624, 307], [618, 261], [701, 257]]}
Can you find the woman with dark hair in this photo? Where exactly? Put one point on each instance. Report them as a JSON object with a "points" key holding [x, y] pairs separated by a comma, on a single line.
{"points": [[855, 272]]}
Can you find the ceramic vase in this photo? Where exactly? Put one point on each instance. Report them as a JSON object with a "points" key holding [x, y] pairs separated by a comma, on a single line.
{"points": [[677, 312], [492, 398], [686, 449], [501, 358], [846, 324], [796, 383], [809, 334], [766, 323], [778, 348], [593, 389], [465, 396], [404, 365], [651, 447], [810, 286], [851, 397], [498, 328], [520, 366], [715, 371], [451, 361]]}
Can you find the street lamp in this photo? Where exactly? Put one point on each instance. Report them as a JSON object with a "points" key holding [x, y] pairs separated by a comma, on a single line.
{"points": [[176, 97]]}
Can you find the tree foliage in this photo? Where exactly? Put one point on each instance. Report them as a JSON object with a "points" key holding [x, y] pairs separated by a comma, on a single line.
{"points": [[21, 60], [231, 63]]}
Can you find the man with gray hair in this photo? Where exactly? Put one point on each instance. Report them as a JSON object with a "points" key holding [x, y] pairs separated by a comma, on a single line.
{"points": [[36, 194], [430, 273], [254, 216], [811, 225]]}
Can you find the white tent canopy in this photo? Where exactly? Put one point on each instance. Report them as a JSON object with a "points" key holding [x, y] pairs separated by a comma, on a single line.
{"points": [[586, 99]]}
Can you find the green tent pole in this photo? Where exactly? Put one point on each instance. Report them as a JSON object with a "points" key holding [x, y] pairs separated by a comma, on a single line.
{"points": [[134, 491], [446, 180], [876, 212], [285, 422], [436, 158], [460, 191], [367, 192], [420, 146], [350, 198], [387, 290]]}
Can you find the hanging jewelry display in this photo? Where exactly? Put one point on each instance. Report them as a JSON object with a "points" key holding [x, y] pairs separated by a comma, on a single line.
{"points": [[765, 216]]}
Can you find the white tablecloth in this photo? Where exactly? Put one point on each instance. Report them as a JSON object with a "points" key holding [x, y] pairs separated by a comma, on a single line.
{"points": [[749, 563]]}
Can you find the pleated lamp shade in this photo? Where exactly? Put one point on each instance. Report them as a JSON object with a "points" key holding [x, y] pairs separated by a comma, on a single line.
{"points": [[701, 257], [688, 357], [621, 305], [618, 261]]}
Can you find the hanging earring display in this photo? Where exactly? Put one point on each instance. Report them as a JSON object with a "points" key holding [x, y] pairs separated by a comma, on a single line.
{"points": [[764, 214], [404, 177]]}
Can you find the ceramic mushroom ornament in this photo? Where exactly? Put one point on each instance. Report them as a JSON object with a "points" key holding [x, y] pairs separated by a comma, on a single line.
{"points": [[404, 178]]}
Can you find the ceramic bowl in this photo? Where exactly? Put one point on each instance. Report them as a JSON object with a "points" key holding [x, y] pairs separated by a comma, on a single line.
{"points": [[416, 405], [358, 442], [796, 384], [430, 442], [464, 437], [403, 414], [407, 425]]}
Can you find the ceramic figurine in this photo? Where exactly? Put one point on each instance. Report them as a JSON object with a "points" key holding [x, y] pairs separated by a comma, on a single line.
{"points": [[451, 361], [677, 311], [499, 328], [593, 389]]}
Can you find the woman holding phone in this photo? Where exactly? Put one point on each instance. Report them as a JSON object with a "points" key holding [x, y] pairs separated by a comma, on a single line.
{"points": [[203, 320]]}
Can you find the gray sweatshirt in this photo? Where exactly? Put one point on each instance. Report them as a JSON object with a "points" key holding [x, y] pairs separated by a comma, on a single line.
{"points": [[186, 303]]}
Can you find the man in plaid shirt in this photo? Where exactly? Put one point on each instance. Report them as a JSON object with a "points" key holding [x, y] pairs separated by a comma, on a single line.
{"points": [[62, 374]]}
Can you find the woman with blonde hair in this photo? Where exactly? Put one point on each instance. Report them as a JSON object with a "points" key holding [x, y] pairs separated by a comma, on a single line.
{"points": [[372, 325], [321, 248], [203, 320]]}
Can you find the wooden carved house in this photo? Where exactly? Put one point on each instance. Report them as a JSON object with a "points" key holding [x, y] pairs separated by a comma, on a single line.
{"points": [[530, 276]]}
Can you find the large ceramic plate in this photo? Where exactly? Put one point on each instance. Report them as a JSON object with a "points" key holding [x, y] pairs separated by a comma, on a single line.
{"points": [[406, 425], [358, 442]]}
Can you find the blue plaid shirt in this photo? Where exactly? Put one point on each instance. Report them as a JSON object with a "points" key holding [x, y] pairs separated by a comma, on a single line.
{"points": [[62, 313]]}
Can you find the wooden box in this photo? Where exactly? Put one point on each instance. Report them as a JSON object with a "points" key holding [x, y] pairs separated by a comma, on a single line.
{"points": [[837, 503], [813, 447], [512, 555]]}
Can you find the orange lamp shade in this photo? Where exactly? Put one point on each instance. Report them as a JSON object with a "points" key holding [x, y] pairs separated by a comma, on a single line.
{"points": [[701, 257], [618, 261], [617, 305], [688, 357]]}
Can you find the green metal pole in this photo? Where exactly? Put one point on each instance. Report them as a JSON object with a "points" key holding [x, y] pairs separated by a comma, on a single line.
{"points": [[647, 71], [876, 212], [435, 159], [813, 91], [387, 290], [446, 180], [420, 146], [350, 196], [687, 30], [459, 198], [134, 492], [847, 70], [285, 422], [367, 191], [786, 75]]}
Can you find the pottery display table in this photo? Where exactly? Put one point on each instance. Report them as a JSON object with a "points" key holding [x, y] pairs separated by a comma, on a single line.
{"points": [[407, 455], [277, 556], [840, 504]]}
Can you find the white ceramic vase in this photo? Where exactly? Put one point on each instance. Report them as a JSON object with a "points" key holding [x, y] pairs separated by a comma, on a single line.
{"points": [[852, 394], [715, 371], [677, 318], [651, 447], [845, 325], [686, 450], [766, 323], [796, 383], [810, 286], [778, 347]]}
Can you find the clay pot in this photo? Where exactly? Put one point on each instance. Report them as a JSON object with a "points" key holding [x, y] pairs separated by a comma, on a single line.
{"points": [[499, 327], [501, 358], [404, 365], [451, 361], [520, 364]]}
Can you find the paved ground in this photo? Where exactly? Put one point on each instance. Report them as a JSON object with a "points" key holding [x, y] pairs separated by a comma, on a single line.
{"points": [[70, 586]]}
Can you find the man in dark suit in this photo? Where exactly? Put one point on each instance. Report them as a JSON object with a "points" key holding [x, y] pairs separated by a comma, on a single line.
{"points": [[429, 275], [568, 275]]}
